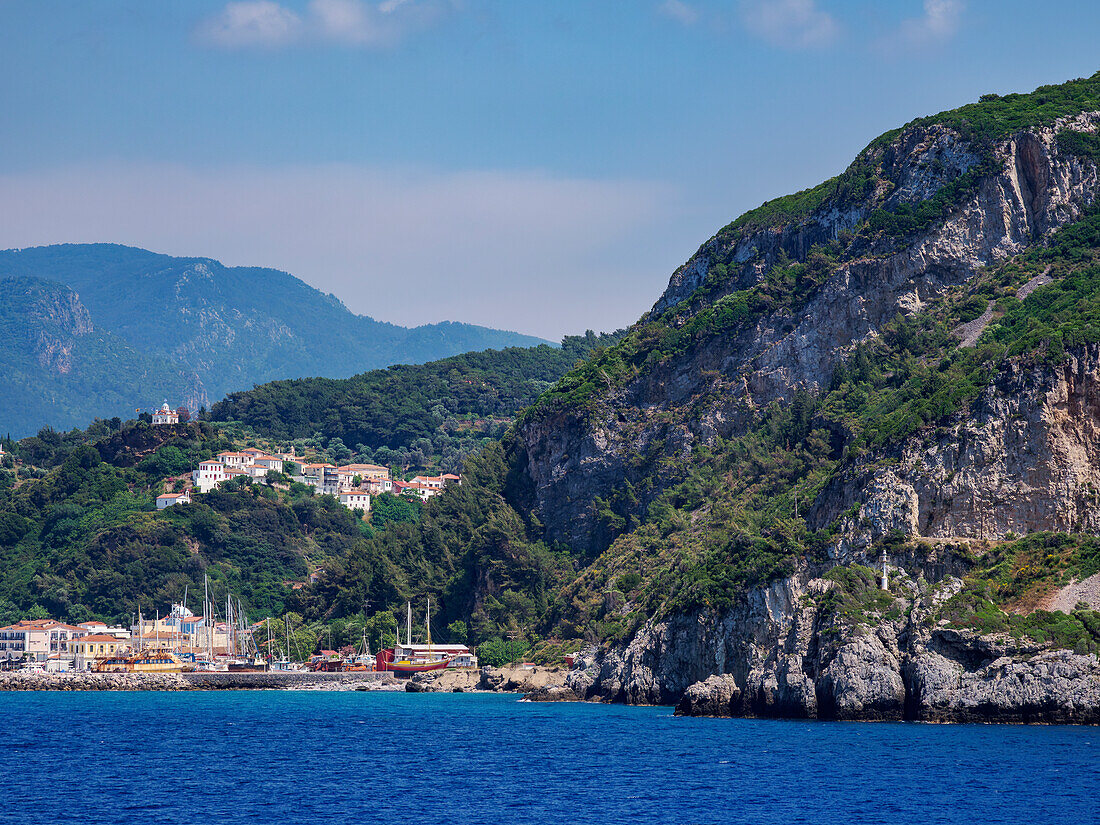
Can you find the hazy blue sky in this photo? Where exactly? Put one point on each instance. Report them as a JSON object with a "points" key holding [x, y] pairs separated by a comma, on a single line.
{"points": [[534, 166]]}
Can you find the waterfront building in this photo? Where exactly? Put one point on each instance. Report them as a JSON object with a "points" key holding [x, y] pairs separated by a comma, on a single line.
{"points": [[96, 646], [36, 639]]}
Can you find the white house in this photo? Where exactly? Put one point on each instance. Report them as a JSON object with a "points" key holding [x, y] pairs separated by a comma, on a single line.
{"points": [[166, 415], [209, 475], [415, 488], [35, 639], [168, 499], [355, 499], [239, 460], [236, 472], [268, 462], [97, 627]]}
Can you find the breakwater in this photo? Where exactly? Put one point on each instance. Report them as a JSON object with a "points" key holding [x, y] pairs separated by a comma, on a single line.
{"points": [[289, 680], [274, 680]]}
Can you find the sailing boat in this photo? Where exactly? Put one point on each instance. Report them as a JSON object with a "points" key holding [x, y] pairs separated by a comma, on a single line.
{"points": [[363, 659], [245, 656], [284, 663], [408, 659]]}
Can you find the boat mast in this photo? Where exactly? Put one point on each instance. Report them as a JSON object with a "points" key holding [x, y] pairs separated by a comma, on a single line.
{"points": [[428, 623], [409, 640], [179, 625], [206, 620]]}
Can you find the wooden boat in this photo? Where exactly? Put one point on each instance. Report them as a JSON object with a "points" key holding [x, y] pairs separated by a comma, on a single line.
{"points": [[409, 659], [386, 662]]}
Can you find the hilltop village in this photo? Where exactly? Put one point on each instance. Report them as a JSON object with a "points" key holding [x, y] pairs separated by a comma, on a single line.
{"points": [[352, 485]]}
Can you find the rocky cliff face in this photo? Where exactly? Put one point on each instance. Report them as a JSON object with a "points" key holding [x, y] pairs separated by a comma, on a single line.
{"points": [[56, 319], [1024, 458], [710, 390], [784, 652]]}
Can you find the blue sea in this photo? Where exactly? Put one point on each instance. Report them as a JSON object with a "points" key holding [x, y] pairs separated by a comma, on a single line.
{"points": [[312, 757]]}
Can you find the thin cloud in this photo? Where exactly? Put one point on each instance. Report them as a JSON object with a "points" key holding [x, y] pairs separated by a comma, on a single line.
{"points": [[679, 11], [939, 23], [251, 23], [790, 24], [508, 249], [349, 21], [265, 23]]}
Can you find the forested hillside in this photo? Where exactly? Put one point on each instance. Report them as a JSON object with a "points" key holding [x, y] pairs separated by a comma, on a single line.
{"points": [[898, 370], [191, 328], [765, 421], [427, 415]]}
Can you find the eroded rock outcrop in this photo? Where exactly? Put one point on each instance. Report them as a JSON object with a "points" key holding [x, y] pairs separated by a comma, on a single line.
{"points": [[1024, 457]]}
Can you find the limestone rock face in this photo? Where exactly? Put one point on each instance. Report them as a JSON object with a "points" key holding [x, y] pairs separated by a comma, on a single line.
{"points": [[863, 681], [796, 661], [570, 457], [1057, 687], [1024, 457]]}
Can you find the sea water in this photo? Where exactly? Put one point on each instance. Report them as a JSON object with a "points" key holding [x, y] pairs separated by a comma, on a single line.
{"points": [[325, 756]]}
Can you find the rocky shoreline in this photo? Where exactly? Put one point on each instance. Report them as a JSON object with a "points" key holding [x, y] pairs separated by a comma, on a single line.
{"points": [[781, 653], [488, 680], [485, 680], [94, 681]]}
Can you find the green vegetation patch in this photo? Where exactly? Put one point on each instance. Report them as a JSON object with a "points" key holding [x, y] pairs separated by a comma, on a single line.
{"points": [[1013, 575], [996, 116]]}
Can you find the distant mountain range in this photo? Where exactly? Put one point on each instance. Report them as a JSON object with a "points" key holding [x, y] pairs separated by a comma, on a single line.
{"points": [[91, 330]]}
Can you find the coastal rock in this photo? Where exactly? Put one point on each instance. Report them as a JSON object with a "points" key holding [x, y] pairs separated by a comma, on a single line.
{"points": [[714, 696], [780, 651], [863, 681], [518, 679], [451, 680], [1055, 687], [553, 693]]}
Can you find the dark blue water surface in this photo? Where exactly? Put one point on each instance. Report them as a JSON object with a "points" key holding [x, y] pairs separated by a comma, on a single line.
{"points": [[274, 757]]}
